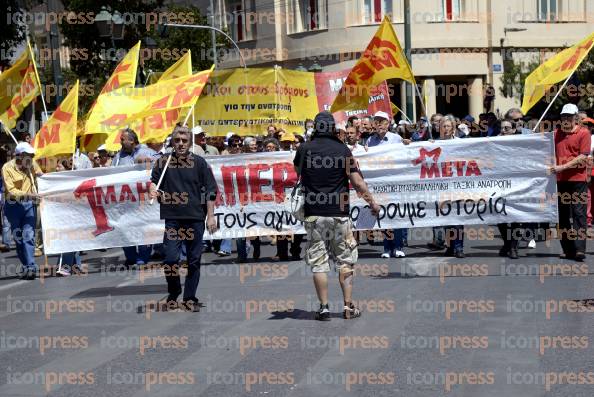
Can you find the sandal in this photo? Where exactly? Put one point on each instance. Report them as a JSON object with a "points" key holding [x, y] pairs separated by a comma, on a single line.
{"points": [[350, 311]]}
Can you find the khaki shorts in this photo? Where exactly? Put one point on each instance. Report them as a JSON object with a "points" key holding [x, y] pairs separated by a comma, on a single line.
{"points": [[330, 237]]}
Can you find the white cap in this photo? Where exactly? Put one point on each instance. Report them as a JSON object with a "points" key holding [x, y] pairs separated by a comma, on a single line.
{"points": [[404, 122], [570, 108], [24, 147], [102, 148], [382, 115], [197, 130]]}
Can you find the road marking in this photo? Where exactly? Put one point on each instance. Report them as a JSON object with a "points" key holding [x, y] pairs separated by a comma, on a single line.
{"points": [[14, 284]]}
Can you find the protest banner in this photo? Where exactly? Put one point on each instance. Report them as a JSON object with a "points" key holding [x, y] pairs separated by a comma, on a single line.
{"points": [[247, 101], [478, 181]]}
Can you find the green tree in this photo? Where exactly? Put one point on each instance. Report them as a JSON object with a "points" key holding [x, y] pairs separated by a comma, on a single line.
{"points": [[94, 61], [12, 30], [579, 89]]}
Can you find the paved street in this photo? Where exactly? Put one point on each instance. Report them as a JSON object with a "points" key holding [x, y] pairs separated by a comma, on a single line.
{"points": [[479, 326]]}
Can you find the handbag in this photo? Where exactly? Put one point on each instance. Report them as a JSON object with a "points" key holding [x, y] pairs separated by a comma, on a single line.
{"points": [[295, 202]]}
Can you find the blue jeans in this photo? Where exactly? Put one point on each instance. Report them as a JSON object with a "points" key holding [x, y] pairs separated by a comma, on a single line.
{"points": [[173, 249], [70, 259], [140, 256], [6, 237], [226, 245], [438, 237], [396, 243], [22, 217], [456, 235]]}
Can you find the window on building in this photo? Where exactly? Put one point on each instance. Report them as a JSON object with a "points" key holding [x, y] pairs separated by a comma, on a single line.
{"points": [[306, 15], [547, 10], [452, 10], [241, 26]]}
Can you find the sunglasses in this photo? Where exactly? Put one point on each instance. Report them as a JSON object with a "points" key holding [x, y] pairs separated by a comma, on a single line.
{"points": [[238, 144]]}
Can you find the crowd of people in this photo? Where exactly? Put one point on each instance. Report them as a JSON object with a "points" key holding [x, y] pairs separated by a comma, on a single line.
{"points": [[358, 134]]}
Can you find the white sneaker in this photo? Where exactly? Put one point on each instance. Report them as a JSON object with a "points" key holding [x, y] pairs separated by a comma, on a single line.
{"points": [[63, 272], [386, 255], [399, 254], [532, 244]]}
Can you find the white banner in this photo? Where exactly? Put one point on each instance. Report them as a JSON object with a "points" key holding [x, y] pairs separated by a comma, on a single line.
{"points": [[455, 182]]}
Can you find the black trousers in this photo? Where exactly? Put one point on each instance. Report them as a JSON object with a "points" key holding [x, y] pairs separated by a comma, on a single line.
{"points": [[511, 233], [190, 232], [572, 216], [282, 246]]}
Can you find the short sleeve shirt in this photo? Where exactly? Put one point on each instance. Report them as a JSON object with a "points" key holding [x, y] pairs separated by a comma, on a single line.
{"points": [[567, 148], [325, 164]]}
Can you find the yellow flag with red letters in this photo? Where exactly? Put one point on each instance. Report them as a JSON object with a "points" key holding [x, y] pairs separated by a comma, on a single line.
{"points": [[554, 70], [19, 85], [58, 134], [123, 76], [159, 105], [383, 59]]}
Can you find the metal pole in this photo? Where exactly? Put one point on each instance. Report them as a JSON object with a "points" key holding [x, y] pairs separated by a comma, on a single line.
{"points": [[178, 25], [551, 103], [213, 34], [408, 53]]}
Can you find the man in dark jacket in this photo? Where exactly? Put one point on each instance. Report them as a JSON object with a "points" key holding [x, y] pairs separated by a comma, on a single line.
{"points": [[186, 195]]}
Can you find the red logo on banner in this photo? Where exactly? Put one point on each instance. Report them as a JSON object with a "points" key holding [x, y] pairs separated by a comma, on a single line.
{"points": [[432, 168], [98, 197]]}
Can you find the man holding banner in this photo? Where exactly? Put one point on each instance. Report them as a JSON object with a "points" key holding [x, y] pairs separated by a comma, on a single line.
{"points": [[21, 194], [572, 148], [186, 189]]}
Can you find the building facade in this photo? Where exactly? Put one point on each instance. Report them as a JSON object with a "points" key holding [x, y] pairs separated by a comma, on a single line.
{"points": [[458, 47]]}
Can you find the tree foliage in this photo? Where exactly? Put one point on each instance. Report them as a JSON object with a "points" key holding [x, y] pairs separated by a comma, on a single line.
{"points": [[579, 89], [12, 32]]}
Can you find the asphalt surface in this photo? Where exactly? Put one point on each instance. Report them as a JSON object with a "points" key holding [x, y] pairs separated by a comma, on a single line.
{"points": [[431, 326]]}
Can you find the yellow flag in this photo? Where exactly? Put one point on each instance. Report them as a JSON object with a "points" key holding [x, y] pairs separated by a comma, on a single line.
{"points": [[556, 69], [383, 59], [19, 87], [156, 127], [58, 134], [124, 75], [158, 104], [183, 67], [395, 109]]}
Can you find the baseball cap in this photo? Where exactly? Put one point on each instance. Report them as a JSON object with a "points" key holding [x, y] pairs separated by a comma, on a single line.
{"points": [[24, 147], [102, 148], [404, 122], [198, 130], [324, 123], [381, 115], [288, 137], [588, 120], [570, 109], [469, 118]]}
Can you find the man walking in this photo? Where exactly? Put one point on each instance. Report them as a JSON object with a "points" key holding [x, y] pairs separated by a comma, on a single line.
{"points": [[132, 152], [21, 196], [327, 210], [572, 148], [186, 195]]}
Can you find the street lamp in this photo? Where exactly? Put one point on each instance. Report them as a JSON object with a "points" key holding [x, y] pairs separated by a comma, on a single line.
{"points": [[163, 31], [103, 22], [109, 25]]}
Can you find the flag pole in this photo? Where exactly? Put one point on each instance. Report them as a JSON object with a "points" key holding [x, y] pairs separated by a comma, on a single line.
{"points": [[171, 154], [421, 99], [9, 133], [553, 101], [37, 78]]}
